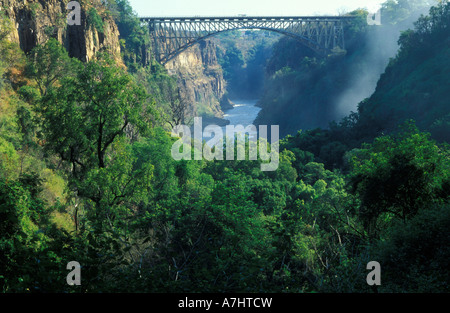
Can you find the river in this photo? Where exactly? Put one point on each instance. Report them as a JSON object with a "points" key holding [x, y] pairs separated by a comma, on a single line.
{"points": [[244, 112]]}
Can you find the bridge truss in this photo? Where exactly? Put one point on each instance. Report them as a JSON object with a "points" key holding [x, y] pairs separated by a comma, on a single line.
{"points": [[173, 35]]}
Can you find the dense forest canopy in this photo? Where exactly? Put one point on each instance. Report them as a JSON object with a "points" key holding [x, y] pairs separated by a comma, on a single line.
{"points": [[86, 172]]}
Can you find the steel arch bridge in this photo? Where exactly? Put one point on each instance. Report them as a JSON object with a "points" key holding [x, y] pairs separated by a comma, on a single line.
{"points": [[172, 35]]}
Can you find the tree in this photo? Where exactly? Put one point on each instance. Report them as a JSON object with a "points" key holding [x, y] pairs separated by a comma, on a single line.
{"points": [[49, 63], [11, 57], [30, 245], [398, 175], [83, 117], [134, 37], [175, 103]]}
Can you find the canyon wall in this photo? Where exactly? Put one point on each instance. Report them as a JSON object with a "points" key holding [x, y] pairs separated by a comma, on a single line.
{"points": [[200, 78], [197, 71], [35, 21]]}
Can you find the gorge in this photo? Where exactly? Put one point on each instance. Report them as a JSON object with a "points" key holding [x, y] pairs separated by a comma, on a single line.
{"points": [[88, 175]]}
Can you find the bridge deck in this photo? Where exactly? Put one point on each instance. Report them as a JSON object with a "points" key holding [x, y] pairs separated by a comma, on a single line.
{"points": [[172, 35], [242, 18]]}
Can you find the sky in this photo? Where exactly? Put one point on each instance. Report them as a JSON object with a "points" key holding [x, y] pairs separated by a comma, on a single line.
{"points": [[250, 7]]}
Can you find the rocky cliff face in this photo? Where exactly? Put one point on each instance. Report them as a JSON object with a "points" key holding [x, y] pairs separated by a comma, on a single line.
{"points": [[35, 21], [200, 78]]}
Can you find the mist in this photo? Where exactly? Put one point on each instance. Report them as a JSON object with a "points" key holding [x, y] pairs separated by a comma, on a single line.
{"points": [[382, 45]]}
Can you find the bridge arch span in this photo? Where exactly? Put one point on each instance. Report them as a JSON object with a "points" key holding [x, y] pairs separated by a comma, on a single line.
{"points": [[171, 36], [305, 41]]}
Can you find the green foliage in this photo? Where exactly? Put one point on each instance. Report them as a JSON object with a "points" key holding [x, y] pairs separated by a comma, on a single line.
{"points": [[231, 60], [164, 90], [28, 259], [296, 78], [85, 115], [415, 255], [243, 56], [398, 11], [95, 20], [11, 57], [85, 175], [134, 37], [395, 177], [413, 84], [412, 87], [9, 160], [46, 65]]}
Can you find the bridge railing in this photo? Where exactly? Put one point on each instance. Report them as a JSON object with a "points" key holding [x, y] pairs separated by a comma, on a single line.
{"points": [[172, 35], [190, 18]]}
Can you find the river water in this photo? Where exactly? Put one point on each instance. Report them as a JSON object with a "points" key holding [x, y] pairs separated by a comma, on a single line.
{"points": [[244, 112]]}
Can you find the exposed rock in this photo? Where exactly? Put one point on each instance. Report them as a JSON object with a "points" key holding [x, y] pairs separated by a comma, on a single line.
{"points": [[35, 21], [199, 75], [200, 78], [225, 103]]}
